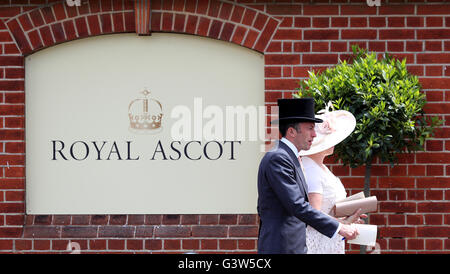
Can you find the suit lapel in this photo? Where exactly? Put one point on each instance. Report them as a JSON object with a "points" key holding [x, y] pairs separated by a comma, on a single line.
{"points": [[301, 179]]}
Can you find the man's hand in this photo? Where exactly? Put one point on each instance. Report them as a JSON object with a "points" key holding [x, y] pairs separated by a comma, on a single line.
{"points": [[348, 231]]}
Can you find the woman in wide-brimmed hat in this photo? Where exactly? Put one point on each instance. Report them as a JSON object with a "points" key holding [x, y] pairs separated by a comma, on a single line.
{"points": [[324, 188]]}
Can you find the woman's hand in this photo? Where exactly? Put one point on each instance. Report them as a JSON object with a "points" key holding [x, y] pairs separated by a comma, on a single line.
{"points": [[356, 218]]}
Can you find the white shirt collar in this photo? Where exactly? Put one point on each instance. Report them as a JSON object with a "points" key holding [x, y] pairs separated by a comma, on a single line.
{"points": [[291, 146]]}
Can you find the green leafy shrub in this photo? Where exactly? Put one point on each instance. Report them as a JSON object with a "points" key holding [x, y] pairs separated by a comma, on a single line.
{"points": [[386, 101]]}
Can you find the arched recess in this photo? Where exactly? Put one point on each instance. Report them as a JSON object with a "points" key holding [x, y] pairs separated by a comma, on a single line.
{"points": [[224, 20]]}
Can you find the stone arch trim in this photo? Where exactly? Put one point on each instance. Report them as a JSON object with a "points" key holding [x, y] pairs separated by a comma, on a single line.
{"points": [[56, 23]]}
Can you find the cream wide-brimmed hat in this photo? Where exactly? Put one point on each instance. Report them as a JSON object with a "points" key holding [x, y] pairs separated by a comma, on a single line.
{"points": [[337, 125]]}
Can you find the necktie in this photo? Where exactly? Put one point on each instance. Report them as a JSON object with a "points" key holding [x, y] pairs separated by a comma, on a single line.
{"points": [[301, 164], [303, 175]]}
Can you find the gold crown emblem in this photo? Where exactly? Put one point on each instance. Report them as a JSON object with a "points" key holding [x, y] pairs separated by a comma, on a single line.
{"points": [[145, 114]]}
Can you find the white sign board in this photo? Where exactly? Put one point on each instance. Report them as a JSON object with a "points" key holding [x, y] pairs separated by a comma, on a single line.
{"points": [[126, 124]]}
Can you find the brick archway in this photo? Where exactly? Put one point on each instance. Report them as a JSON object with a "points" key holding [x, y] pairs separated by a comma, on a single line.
{"points": [[56, 23]]}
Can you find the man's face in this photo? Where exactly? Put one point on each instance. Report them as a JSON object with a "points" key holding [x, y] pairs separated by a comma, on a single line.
{"points": [[302, 139]]}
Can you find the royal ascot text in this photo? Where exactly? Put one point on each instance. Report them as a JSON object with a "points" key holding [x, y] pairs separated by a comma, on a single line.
{"points": [[124, 151]]}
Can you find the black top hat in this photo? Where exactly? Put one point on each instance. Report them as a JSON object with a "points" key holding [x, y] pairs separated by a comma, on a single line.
{"points": [[297, 110]]}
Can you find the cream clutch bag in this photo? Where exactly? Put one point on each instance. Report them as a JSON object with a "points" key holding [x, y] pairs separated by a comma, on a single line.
{"points": [[349, 205]]}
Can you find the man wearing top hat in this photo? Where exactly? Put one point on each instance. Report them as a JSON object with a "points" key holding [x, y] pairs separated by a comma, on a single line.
{"points": [[283, 205]]}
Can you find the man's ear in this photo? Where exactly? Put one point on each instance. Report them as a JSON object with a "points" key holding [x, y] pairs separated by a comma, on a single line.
{"points": [[291, 132]]}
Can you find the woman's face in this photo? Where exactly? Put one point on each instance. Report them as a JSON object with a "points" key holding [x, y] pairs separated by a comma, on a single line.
{"points": [[324, 153], [329, 151]]}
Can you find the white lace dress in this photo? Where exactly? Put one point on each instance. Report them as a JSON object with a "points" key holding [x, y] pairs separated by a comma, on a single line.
{"points": [[326, 183]]}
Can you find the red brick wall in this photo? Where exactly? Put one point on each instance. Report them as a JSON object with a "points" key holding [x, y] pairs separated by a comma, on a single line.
{"points": [[294, 36]]}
